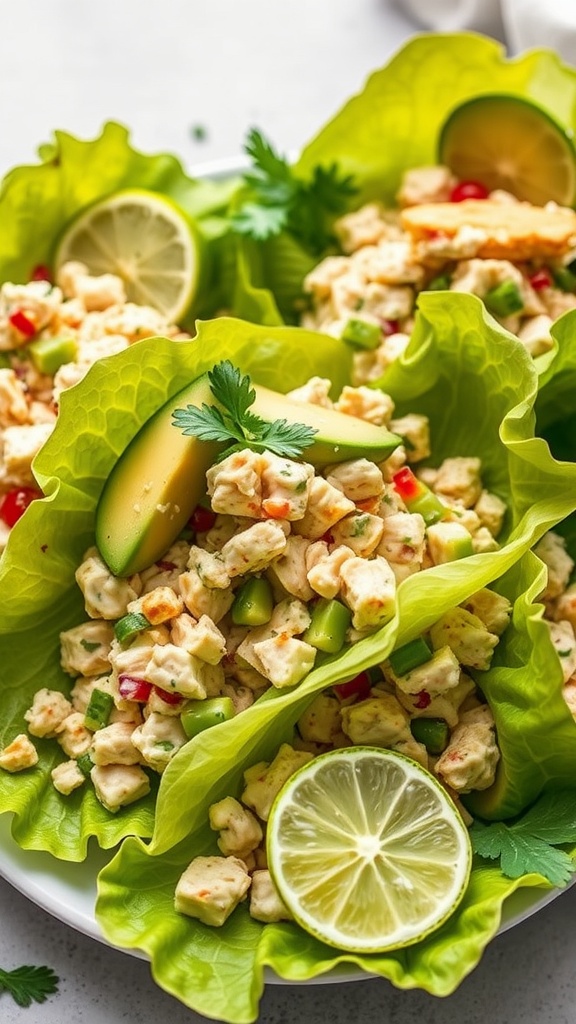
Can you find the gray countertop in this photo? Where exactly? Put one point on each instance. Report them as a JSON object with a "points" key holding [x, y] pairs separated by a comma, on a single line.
{"points": [[163, 68]]}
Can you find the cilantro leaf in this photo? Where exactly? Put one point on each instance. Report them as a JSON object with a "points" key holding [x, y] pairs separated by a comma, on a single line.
{"points": [[235, 422], [277, 200], [29, 984], [528, 844]]}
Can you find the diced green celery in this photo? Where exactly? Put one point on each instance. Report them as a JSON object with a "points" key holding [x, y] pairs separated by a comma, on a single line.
{"points": [[432, 732], [504, 299], [428, 505], [415, 652], [129, 625], [565, 279], [4, 361], [48, 354], [329, 622], [438, 284], [362, 333], [98, 711], [253, 603], [85, 763], [203, 714]]}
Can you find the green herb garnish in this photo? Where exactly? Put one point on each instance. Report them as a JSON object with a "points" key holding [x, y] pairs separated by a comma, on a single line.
{"points": [[277, 200], [529, 843], [29, 984], [235, 424]]}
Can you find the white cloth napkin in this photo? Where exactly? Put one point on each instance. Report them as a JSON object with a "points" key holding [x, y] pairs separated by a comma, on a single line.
{"points": [[521, 24]]}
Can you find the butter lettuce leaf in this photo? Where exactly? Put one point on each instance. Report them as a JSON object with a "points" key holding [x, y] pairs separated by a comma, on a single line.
{"points": [[393, 123], [98, 417], [38, 200], [479, 387]]}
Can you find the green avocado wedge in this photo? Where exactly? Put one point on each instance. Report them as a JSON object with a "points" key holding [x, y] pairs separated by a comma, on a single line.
{"points": [[161, 476]]}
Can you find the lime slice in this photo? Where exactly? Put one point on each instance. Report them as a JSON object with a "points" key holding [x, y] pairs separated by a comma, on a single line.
{"points": [[367, 850], [509, 142], [146, 240]]}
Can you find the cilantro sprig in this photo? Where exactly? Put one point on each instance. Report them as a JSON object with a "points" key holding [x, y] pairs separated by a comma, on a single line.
{"points": [[29, 984], [529, 844], [232, 422], [277, 200]]}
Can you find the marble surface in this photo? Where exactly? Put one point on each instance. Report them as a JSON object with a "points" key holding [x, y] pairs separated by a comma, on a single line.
{"points": [[165, 67]]}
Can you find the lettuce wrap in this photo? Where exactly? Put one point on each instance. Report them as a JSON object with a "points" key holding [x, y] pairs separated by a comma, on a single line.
{"points": [[392, 125], [37, 201], [221, 972]]}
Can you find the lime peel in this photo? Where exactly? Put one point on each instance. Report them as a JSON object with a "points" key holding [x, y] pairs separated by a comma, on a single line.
{"points": [[367, 850]]}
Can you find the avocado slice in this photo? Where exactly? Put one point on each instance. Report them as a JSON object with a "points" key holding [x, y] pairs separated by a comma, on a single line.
{"points": [[161, 476]]}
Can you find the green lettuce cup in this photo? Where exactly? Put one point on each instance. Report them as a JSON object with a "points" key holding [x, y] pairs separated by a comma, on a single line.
{"points": [[38, 200], [473, 380], [220, 972], [393, 123]]}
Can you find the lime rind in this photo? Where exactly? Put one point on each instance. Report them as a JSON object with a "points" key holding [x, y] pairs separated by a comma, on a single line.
{"points": [[509, 142], [375, 824], [145, 239]]}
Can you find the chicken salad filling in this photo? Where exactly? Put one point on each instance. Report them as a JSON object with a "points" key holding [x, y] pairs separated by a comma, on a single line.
{"points": [[283, 564], [444, 235]]}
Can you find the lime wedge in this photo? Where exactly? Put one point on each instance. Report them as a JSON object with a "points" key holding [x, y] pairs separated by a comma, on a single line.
{"points": [[511, 143], [367, 850], [146, 240]]}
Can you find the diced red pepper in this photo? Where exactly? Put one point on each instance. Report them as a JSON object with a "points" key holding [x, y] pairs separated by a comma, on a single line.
{"points": [[468, 190], [390, 327], [169, 698], [406, 484], [15, 502], [540, 279], [41, 273], [202, 519], [166, 566], [22, 323], [359, 687], [133, 688], [423, 699]]}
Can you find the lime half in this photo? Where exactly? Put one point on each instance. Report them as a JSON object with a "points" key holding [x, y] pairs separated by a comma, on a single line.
{"points": [[367, 850], [146, 240], [508, 142]]}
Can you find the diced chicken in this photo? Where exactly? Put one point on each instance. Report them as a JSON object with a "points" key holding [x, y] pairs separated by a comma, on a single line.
{"points": [[552, 550], [67, 777], [403, 539], [211, 888], [562, 636], [459, 480], [73, 736], [324, 568], [117, 785], [266, 904], [378, 721], [470, 759], [84, 649], [361, 532], [358, 479], [284, 660], [113, 745], [315, 391], [160, 605], [158, 739], [48, 711], [491, 510], [368, 404], [494, 609], [19, 754], [105, 595], [436, 676], [254, 548], [199, 637], [321, 722], [19, 446], [289, 569], [369, 590], [414, 429], [263, 781], [432, 184], [240, 831], [210, 567], [326, 506], [13, 405], [202, 600], [467, 637], [235, 486], [175, 670]]}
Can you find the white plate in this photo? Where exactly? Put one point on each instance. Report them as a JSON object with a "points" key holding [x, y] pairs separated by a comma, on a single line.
{"points": [[68, 892]]}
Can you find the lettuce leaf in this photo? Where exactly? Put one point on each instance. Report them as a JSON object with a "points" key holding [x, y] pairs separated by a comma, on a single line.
{"points": [[97, 419], [37, 201], [478, 386], [220, 972], [392, 124]]}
